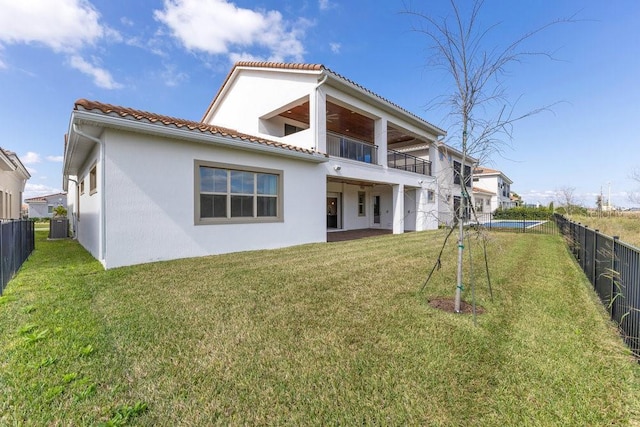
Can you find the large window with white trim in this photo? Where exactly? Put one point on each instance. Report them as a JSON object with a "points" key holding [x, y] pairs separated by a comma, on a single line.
{"points": [[231, 193]]}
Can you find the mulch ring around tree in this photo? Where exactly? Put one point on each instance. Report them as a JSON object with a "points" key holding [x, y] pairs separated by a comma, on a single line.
{"points": [[448, 304]]}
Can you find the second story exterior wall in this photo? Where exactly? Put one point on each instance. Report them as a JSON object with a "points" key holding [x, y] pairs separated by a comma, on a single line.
{"points": [[13, 178]]}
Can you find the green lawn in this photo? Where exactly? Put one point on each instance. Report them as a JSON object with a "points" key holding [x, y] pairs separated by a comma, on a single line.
{"points": [[321, 334], [626, 226]]}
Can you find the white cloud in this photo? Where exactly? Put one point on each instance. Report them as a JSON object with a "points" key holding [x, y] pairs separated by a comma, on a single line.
{"points": [[30, 158], [62, 25], [126, 21], [35, 190], [335, 47], [172, 77], [57, 159], [220, 27], [101, 77], [324, 4]]}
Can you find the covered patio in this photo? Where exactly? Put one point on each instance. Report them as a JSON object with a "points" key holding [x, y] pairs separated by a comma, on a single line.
{"points": [[340, 236]]}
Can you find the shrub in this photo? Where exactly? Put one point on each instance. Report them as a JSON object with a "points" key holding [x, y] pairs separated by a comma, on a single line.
{"points": [[522, 212]]}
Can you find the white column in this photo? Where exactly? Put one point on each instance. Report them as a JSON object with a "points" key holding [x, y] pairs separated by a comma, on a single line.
{"points": [[318, 113], [422, 211], [380, 139], [398, 209]]}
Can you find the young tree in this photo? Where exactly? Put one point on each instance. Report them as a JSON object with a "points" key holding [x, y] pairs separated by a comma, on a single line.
{"points": [[482, 115], [567, 198], [635, 196]]}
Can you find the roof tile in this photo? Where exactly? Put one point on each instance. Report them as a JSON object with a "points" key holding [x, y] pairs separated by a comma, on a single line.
{"points": [[140, 115], [311, 67]]}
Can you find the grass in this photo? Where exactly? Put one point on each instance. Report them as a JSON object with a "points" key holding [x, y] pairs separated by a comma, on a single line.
{"points": [[318, 334], [626, 226]]}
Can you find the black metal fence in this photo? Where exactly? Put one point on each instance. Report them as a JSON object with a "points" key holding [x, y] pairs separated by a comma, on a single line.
{"points": [[487, 221], [613, 267], [17, 241]]}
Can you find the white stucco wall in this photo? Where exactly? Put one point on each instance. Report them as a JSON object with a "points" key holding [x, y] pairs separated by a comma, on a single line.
{"points": [[149, 210], [12, 185], [256, 93], [87, 211]]}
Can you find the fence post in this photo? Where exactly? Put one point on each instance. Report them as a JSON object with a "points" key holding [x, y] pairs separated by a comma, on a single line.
{"points": [[614, 271], [594, 256]]}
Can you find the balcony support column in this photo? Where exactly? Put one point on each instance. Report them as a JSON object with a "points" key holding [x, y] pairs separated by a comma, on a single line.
{"points": [[380, 139], [398, 209]]}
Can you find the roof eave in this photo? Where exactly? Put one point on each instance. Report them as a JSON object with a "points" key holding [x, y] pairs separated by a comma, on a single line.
{"points": [[117, 122]]}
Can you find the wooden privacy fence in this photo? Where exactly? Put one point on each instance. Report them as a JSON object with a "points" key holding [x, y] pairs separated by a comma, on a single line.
{"points": [[613, 267], [17, 241]]}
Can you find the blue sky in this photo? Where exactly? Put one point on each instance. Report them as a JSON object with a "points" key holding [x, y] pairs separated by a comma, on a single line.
{"points": [[170, 57]]}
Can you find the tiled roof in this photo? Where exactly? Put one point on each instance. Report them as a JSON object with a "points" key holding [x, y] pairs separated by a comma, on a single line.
{"points": [[35, 200], [43, 198], [190, 125], [479, 190], [312, 67], [481, 170]]}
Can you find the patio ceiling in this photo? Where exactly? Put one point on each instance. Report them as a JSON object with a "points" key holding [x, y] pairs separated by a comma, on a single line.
{"points": [[347, 122]]}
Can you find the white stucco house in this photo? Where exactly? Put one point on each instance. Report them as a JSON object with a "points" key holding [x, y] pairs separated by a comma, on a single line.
{"points": [[284, 154], [43, 206], [493, 186], [13, 178]]}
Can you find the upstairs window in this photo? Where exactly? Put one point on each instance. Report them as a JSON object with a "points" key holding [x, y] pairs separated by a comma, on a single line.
{"points": [[456, 174]]}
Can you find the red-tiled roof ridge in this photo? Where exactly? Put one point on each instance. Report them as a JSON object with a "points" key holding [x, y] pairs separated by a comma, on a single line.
{"points": [[44, 197], [483, 170], [140, 115], [310, 67], [481, 190]]}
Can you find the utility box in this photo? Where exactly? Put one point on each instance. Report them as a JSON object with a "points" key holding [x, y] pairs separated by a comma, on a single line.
{"points": [[59, 228]]}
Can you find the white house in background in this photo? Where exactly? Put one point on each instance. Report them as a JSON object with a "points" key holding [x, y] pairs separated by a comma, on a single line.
{"points": [[284, 153], [494, 183], [482, 200], [13, 178], [43, 206]]}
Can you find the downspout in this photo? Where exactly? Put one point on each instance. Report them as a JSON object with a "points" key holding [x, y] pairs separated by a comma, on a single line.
{"points": [[103, 222], [317, 118], [74, 221]]}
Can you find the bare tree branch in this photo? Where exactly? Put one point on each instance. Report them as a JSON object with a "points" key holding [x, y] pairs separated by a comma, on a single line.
{"points": [[482, 116]]}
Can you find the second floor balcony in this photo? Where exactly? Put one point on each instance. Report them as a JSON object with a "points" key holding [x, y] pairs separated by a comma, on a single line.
{"points": [[407, 162], [349, 148]]}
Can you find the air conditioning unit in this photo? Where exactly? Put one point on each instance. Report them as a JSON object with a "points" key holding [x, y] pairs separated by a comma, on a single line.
{"points": [[59, 228]]}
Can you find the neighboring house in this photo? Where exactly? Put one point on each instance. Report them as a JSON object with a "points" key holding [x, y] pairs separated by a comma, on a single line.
{"points": [[284, 153], [496, 183], [13, 178], [43, 206], [482, 200]]}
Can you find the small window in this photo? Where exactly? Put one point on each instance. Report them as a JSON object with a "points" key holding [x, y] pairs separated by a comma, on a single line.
{"points": [[227, 193], [291, 129], [431, 196], [81, 187], [93, 180], [361, 203], [50, 209]]}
